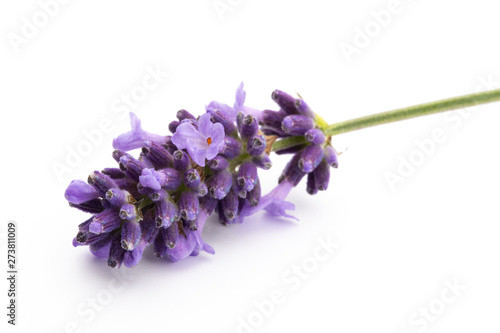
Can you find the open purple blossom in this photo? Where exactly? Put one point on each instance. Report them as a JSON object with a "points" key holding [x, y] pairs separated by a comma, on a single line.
{"points": [[136, 136], [239, 104], [210, 164], [273, 202], [204, 142]]}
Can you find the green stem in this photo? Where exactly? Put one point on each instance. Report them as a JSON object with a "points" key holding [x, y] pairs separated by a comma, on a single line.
{"points": [[412, 112], [289, 142]]}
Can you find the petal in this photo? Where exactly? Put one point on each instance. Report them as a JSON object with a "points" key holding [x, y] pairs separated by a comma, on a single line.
{"points": [[273, 202], [257, 114], [102, 252], [217, 133], [136, 136], [79, 192], [202, 245], [197, 155], [212, 151], [224, 108], [240, 97], [132, 258], [183, 134], [149, 179], [205, 125], [183, 248], [279, 208]]}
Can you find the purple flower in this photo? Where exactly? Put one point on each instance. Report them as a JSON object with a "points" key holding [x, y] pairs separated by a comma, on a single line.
{"points": [[135, 138], [202, 143], [273, 202], [231, 112], [239, 104], [192, 244], [79, 192]]}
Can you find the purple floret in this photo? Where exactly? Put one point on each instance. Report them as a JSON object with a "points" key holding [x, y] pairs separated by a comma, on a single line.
{"points": [[202, 143], [136, 136]]}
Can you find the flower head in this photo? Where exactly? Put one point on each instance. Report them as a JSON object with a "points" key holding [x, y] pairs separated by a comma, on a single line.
{"points": [[136, 136], [203, 142], [163, 197]]}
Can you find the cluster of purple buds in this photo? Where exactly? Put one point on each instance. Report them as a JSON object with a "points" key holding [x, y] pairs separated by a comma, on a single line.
{"points": [[209, 164], [314, 155]]}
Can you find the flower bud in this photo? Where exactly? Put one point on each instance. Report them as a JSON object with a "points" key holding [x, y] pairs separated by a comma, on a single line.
{"points": [[218, 163], [254, 195], [297, 124], [331, 157], [169, 145], [131, 233], [232, 148], [192, 179], [247, 176], [310, 158], [106, 221], [118, 153], [131, 167], [160, 247], [218, 116], [116, 252], [229, 205], [249, 126], [189, 206], [117, 197], [201, 190], [315, 136], [79, 192], [101, 183], [113, 173], [322, 176], [181, 160], [183, 114], [303, 108], [128, 185], [271, 122], [292, 172], [222, 217], [285, 101], [219, 184], [158, 155], [168, 178], [129, 212], [93, 206], [170, 235], [158, 195], [311, 184], [256, 145], [166, 213], [101, 248], [172, 126], [263, 161], [88, 238]]}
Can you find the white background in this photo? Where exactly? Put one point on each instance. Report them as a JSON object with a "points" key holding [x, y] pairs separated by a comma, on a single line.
{"points": [[398, 246]]}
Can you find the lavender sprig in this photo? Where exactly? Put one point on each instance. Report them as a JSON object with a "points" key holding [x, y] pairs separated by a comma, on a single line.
{"points": [[210, 164]]}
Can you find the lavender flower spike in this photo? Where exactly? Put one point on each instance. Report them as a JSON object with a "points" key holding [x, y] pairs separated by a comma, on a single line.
{"points": [[163, 197], [136, 136], [202, 143]]}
